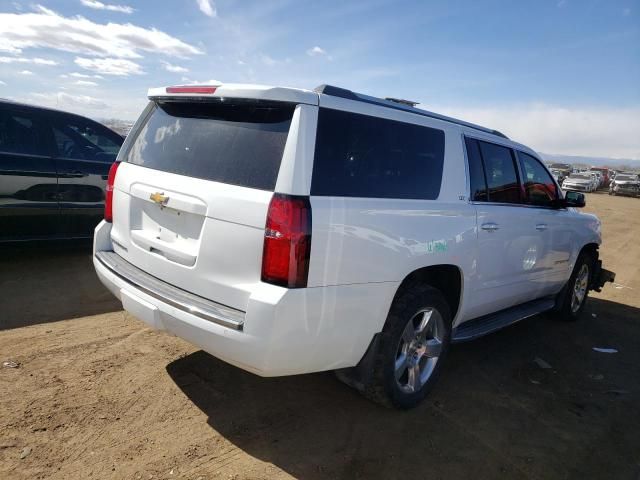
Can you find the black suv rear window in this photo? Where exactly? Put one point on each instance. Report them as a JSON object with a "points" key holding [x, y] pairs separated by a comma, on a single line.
{"points": [[239, 144], [364, 156]]}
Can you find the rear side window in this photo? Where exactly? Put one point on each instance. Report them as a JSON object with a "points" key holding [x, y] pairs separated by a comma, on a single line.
{"points": [[239, 144], [79, 139], [20, 132], [363, 156], [539, 187], [500, 171]]}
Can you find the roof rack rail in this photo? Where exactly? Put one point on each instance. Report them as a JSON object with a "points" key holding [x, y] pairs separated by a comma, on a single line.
{"points": [[399, 104]]}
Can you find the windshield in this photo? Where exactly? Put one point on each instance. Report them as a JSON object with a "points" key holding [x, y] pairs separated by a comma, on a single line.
{"points": [[580, 176], [626, 177], [239, 144]]}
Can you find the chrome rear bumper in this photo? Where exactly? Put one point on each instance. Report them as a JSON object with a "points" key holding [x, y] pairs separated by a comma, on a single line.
{"points": [[174, 296]]}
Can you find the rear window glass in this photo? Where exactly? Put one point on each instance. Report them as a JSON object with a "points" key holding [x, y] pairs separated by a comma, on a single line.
{"points": [[239, 144], [363, 156]]}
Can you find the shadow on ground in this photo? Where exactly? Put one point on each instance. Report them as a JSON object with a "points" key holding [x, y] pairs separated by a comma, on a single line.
{"points": [[495, 411], [42, 283]]}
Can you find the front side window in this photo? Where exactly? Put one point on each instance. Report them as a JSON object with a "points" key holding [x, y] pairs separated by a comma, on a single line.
{"points": [[540, 189], [500, 170], [371, 157], [82, 140], [21, 133]]}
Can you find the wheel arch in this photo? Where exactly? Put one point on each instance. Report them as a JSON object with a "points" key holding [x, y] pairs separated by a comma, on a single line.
{"points": [[447, 278], [592, 249]]}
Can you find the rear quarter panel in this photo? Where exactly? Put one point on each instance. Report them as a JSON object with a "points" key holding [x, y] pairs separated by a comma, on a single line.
{"points": [[373, 240]]}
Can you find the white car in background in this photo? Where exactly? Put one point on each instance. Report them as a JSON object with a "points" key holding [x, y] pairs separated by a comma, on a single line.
{"points": [[599, 178], [290, 231], [580, 182]]}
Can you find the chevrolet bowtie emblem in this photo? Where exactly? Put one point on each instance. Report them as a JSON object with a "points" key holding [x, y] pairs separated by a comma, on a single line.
{"points": [[159, 198]]}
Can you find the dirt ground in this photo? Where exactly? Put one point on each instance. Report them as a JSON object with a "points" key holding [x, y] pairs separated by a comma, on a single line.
{"points": [[99, 395]]}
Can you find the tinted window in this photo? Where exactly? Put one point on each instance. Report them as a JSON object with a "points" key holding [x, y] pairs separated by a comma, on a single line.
{"points": [[363, 156], [79, 139], [20, 132], [540, 189], [500, 170], [241, 144], [477, 179]]}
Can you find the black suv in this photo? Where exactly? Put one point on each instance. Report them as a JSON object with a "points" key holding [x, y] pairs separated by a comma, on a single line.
{"points": [[53, 172]]}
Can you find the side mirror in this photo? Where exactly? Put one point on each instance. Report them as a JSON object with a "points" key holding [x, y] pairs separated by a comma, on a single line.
{"points": [[575, 199]]}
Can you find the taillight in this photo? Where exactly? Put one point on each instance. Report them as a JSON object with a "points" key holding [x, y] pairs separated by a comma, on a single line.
{"points": [[287, 241], [108, 201]]}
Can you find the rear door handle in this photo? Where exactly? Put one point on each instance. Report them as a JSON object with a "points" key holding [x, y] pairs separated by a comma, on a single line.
{"points": [[490, 227], [541, 226]]}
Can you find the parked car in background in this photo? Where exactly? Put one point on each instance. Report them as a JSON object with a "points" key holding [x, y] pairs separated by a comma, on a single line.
{"points": [[625, 184], [599, 179], [558, 175], [580, 182], [565, 168], [290, 231], [53, 172], [606, 175]]}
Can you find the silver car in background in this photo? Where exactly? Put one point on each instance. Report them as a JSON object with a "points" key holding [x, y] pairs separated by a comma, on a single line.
{"points": [[579, 182], [625, 184]]}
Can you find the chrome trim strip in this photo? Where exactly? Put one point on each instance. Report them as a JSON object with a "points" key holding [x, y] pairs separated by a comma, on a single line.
{"points": [[174, 296]]}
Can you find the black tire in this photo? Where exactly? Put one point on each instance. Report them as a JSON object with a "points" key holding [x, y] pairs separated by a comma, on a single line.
{"points": [[407, 307], [565, 306]]}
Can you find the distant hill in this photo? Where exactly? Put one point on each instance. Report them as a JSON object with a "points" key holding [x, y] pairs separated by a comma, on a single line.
{"points": [[628, 163]]}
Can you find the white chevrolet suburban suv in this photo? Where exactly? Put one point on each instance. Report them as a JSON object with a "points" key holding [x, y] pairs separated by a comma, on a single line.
{"points": [[288, 231]]}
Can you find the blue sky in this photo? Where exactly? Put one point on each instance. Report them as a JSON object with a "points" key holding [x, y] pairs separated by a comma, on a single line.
{"points": [[560, 75]]}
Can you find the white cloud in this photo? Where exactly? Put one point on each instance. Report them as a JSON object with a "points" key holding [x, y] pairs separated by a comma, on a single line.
{"points": [[312, 52], [35, 61], [104, 6], [85, 83], [319, 52], [2, 83], [110, 66], [63, 99], [594, 131], [174, 68], [82, 75], [207, 8], [26, 72], [45, 28]]}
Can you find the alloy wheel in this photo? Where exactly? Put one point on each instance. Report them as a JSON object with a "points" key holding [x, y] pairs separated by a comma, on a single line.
{"points": [[580, 288], [419, 349]]}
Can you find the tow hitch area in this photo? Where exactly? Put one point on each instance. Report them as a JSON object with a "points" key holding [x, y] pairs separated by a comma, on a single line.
{"points": [[601, 276]]}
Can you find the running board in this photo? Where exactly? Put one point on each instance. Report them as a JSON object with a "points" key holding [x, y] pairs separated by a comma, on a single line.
{"points": [[479, 327]]}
